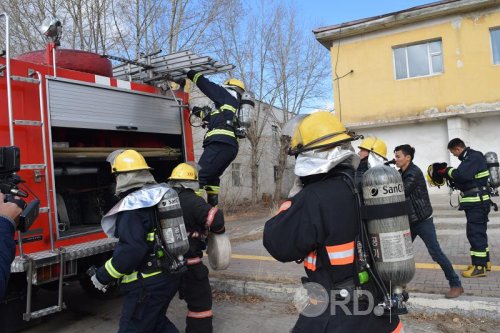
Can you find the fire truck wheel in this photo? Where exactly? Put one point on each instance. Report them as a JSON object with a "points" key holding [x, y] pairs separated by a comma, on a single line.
{"points": [[88, 287]]}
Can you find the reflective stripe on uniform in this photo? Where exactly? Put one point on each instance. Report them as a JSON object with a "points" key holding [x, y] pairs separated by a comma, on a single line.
{"points": [[212, 189], [228, 107], [220, 132], [210, 216], [193, 261], [111, 270], [195, 77], [133, 277], [399, 328], [310, 261], [450, 171], [482, 174], [202, 314], [474, 199], [150, 237], [342, 254], [478, 254]]}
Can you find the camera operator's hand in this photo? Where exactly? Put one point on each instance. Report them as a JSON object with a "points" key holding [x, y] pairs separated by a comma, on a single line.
{"points": [[9, 210]]}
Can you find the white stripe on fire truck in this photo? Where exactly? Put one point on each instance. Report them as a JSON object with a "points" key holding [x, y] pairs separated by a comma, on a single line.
{"points": [[106, 81], [123, 84]]}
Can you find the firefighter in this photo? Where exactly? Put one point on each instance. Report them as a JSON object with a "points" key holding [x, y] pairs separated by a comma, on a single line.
{"points": [[147, 288], [372, 151], [471, 178], [318, 225], [220, 145], [200, 218]]}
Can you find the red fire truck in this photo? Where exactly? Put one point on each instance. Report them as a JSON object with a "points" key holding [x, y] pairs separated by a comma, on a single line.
{"points": [[66, 111]]}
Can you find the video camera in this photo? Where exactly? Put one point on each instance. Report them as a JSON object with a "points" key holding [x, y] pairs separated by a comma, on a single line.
{"points": [[9, 181]]}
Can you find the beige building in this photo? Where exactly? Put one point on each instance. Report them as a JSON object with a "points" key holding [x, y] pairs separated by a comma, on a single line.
{"points": [[421, 76]]}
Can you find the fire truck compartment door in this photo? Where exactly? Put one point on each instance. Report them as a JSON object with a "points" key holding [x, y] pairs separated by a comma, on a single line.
{"points": [[84, 105]]}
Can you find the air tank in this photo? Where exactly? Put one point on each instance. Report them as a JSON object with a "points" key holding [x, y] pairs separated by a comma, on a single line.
{"points": [[390, 237], [492, 162], [172, 224]]}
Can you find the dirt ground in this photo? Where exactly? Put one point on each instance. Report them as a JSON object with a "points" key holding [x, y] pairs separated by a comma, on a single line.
{"points": [[451, 322]]}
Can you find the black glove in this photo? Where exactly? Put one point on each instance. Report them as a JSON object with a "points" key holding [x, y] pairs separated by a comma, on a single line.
{"points": [[197, 111]]}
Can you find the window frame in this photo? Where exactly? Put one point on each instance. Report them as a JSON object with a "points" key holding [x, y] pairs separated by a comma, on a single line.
{"points": [[429, 59], [497, 28], [238, 178]]}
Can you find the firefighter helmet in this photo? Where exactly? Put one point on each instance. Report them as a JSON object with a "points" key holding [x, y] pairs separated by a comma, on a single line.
{"points": [[433, 178], [375, 145], [184, 171], [126, 161], [235, 83], [316, 130]]}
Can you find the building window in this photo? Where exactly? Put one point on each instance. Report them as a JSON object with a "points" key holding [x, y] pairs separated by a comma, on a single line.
{"points": [[236, 174], [495, 44], [418, 59], [274, 129], [275, 173]]}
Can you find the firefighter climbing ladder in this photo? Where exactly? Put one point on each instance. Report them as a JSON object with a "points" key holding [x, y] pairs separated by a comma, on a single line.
{"points": [[36, 167], [153, 67]]}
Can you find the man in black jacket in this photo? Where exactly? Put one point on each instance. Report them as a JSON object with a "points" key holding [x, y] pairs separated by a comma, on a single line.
{"points": [[220, 146], [471, 178], [199, 218], [318, 226], [420, 215]]}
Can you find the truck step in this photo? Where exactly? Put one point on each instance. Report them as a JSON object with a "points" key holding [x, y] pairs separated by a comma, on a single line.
{"points": [[27, 122], [44, 312]]}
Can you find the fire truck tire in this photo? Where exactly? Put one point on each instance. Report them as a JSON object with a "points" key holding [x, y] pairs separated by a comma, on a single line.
{"points": [[77, 60]]}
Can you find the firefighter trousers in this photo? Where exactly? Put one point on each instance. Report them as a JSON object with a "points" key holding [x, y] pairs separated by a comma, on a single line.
{"points": [[215, 158], [477, 218], [195, 290], [145, 305]]}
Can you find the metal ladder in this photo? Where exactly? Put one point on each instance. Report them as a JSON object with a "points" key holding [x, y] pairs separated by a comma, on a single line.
{"points": [[154, 67], [35, 167]]}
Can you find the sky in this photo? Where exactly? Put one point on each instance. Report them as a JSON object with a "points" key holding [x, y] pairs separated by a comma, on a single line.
{"points": [[322, 13], [330, 12]]}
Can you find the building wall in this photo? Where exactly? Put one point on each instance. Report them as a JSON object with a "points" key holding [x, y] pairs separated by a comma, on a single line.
{"points": [[372, 93], [231, 193]]}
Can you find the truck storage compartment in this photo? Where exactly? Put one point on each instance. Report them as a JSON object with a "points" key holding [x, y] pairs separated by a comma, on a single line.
{"points": [[83, 180]]}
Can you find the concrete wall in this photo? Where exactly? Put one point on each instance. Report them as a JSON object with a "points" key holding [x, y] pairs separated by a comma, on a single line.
{"points": [[430, 138]]}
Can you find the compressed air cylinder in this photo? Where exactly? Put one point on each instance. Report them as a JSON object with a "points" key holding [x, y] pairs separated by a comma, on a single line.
{"points": [[390, 237], [492, 161], [172, 224]]}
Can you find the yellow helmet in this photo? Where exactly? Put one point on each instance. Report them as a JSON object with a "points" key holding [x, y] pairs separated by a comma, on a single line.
{"points": [[235, 82], [126, 161], [317, 130], [184, 171], [375, 145]]}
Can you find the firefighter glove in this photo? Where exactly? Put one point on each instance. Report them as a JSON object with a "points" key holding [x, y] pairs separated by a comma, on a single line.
{"points": [[97, 284]]}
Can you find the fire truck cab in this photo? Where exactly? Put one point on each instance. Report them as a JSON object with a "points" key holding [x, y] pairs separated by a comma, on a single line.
{"points": [[67, 110]]}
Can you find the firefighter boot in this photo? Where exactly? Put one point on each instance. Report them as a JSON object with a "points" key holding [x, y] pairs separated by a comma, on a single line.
{"points": [[488, 266], [474, 271]]}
